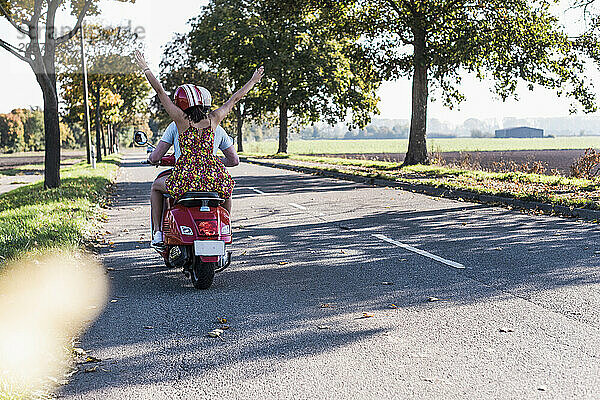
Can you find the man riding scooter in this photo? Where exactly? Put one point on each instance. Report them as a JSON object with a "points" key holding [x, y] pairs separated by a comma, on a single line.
{"points": [[171, 138]]}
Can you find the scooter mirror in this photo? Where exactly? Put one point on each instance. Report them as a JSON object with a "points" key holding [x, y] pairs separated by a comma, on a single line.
{"points": [[140, 138]]}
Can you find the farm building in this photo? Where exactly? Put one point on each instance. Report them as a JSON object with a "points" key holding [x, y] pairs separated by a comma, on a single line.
{"points": [[520, 132]]}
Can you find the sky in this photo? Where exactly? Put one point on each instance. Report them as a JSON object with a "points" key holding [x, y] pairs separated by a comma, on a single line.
{"points": [[160, 20]]}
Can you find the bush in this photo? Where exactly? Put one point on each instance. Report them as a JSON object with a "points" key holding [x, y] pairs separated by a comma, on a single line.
{"points": [[587, 166]]}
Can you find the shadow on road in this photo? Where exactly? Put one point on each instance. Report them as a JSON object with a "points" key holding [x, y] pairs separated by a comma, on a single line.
{"points": [[286, 281]]}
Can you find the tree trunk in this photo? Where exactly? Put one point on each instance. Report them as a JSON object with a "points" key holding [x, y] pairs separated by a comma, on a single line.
{"points": [[283, 127], [104, 133], [239, 123], [417, 146], [109, 139], [97, 123], [116, 140], [51, 137]]}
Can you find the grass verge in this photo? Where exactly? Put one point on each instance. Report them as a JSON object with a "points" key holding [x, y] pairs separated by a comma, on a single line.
{"points": [[559, 190], [392, 146], [33, 220]]}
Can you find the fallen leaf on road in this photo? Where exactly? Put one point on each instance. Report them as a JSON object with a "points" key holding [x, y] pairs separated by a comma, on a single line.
{"points": [[92, 359], [148, 327], [393, 306], [365, 315], [433, 299], [79, 351], [506, 330], [542, 388], [222, 320], [283, 262], [387, 283], [93, 369], [114, 300], [327, 305], [110, 269], [216, 333], [323, 327]]}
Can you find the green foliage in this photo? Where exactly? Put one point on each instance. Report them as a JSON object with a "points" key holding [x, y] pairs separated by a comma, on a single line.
{"points": [[312, 73], [33, 130], [116, 89], [435, 41], [23, 130], [11, 132], [34, 219], [32, 18], [507, 40]]}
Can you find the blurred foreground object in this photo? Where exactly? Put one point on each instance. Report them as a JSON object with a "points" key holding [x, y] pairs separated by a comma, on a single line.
{"points": [[45, 303]]}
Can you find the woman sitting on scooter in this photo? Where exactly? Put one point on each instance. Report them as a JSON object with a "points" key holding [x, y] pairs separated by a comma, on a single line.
{"points": [[197, 169]]}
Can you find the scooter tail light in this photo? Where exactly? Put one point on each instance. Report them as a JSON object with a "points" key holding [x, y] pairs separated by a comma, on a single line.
{"points": [[207, 228]]}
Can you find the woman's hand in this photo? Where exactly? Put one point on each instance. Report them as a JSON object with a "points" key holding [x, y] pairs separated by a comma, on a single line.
{"points": [[140, 60], [258, 74]]}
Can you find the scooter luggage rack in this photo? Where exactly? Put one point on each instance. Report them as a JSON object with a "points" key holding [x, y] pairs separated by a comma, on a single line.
{"points": [[202, 199]]}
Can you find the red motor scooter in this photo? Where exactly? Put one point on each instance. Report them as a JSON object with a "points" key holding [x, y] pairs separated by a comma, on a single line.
{"points": [[196, 230]]}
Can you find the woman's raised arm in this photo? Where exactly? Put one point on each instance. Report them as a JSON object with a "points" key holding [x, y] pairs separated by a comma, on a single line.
{"points": [[174, 112], [220, 113]]}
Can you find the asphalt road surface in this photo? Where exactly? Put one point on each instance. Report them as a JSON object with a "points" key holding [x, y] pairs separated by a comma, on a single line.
{"points": [[322, 306]]}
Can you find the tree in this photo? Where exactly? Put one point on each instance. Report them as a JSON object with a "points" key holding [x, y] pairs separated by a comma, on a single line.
{"points": [[33, 130], [29, 18], [12, 132], [117, 90], [434, 41], [311, 73]]}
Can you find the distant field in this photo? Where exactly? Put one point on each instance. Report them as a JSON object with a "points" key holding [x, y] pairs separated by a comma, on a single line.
{"points": [[441, 145]]}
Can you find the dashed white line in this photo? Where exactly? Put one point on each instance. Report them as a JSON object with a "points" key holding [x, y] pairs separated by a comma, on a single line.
{"points": [[298, 206], [419, 251]]}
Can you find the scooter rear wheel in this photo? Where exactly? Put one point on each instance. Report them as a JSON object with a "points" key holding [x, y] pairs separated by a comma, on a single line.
{"points": [[202, 273]]}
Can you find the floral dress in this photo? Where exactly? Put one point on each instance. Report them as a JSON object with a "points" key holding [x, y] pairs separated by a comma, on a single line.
{"points": [[198, 169]]}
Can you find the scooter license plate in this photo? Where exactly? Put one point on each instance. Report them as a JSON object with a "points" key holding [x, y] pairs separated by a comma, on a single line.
{"points": [[209, 248]]}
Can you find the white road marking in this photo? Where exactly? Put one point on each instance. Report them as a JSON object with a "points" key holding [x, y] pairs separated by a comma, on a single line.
{"points": [[419, 251], [298, 206], [249, 188]]}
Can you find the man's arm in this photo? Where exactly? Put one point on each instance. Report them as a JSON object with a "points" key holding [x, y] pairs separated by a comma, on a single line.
{"points": [[231, 158], [161, 149]]}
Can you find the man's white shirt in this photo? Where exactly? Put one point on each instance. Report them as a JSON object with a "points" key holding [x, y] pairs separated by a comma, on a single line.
{"points": [[171, 136]]}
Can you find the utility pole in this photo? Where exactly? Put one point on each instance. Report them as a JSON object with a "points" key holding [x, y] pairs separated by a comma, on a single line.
{"points": [[88, 142]]}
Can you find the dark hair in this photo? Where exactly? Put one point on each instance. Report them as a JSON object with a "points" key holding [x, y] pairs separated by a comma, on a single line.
{"points": [[197, 113]]}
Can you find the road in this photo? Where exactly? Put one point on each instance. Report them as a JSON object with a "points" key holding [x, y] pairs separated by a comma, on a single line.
{"points": [[320, 308]]}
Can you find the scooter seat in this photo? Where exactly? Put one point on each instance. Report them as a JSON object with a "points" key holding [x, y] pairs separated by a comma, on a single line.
{"points": [[199, 199]]}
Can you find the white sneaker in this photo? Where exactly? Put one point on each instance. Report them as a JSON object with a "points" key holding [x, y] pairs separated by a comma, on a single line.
{"points": [[157, 240]]}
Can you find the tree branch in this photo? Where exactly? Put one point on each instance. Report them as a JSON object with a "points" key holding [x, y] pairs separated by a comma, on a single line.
{"points": [[12, 22], [73, 32], [14, 51]]}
